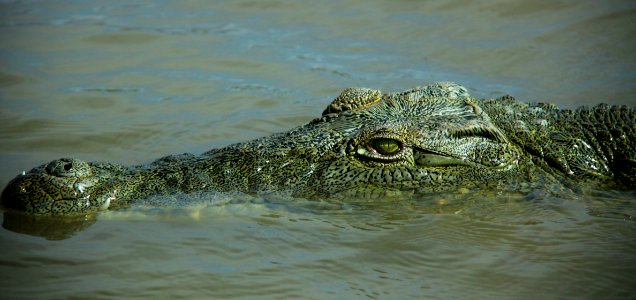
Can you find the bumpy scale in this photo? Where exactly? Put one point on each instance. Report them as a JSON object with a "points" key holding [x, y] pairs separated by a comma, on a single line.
{"points": [[425, 139]]}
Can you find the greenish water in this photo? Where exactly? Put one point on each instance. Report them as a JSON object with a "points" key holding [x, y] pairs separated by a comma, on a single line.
{"points": [[128, 82]]}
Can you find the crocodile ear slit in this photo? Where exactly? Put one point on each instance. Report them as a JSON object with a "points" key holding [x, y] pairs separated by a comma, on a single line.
{"points": [[353, 98]]}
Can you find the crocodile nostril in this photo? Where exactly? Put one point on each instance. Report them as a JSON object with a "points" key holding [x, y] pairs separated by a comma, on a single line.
{"points": [[68, 167]]}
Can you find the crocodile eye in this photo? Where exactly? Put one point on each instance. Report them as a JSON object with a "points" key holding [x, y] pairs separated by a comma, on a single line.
{"points": [[385, 146]]}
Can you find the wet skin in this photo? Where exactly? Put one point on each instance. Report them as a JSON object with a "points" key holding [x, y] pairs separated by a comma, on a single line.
{"points": [[427, 139]]}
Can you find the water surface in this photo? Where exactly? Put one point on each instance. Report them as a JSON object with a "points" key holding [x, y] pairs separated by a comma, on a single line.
{"points": [[128, 82]]}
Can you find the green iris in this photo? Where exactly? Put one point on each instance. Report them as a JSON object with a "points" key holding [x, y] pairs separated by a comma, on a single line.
{"points": [[386, 146]]}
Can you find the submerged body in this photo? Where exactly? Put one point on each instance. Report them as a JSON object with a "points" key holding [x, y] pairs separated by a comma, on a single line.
{"points": [[426, 139]]}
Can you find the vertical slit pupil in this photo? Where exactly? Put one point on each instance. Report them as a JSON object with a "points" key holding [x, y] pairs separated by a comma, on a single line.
{"points": [[386, 146]]}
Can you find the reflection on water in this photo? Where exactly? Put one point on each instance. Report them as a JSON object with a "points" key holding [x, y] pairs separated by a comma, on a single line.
{"points": [[49, 227], [131, 81], [507, 245]]}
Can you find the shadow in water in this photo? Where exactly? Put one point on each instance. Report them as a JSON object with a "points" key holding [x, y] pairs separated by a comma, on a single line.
{"points": [[48, 227]]}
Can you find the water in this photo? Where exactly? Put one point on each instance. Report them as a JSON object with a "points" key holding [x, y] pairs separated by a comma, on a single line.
{"points": [[131, 81]]}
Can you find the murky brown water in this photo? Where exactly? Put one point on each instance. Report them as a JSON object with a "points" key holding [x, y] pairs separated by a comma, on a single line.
{"points": [[131, 81]]}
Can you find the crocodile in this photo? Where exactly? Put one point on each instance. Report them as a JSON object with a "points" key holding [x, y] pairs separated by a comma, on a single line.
{"points": [[367, 143]]}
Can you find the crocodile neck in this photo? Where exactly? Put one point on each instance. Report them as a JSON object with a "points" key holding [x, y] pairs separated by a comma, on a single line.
{"points": [[595, 143]]}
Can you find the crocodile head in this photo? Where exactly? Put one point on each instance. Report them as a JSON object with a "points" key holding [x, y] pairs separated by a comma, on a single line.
{"points": [[428, 139]]}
